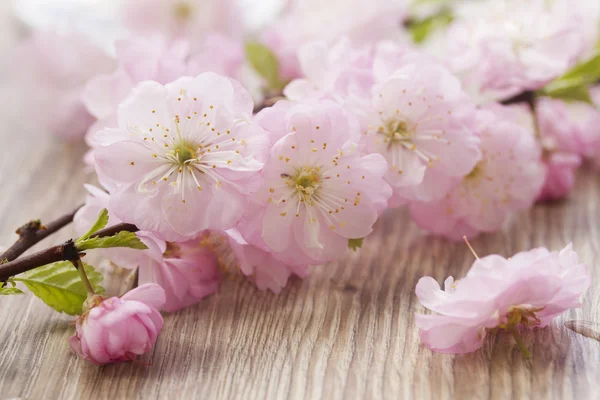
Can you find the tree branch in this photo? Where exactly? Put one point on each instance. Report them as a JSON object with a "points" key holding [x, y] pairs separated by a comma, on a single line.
{"points": [[523, 97], [64, 252], [33, 232], [113, 230]]}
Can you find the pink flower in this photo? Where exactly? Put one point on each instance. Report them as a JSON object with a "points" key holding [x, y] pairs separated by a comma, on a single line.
{"points": [[332, 72], [190, 19], [560, 175], [184, 157], [527, 290], [226, 56], [50, 71], [119, 328], [318, 190], [420, 123], [501, 48], [508, 178], [346, 74], [309, 20], [265, 270], [187, 271], [140, 59], [570, 127]]}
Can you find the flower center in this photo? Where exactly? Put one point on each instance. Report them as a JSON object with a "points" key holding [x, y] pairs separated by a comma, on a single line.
{"points": [[173, 251], [183, 10], [305, 182], [395, 131], [184, 151], [475, 173]]}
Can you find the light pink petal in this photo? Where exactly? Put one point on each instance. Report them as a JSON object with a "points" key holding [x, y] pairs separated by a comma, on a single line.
{"points": [[150, 294]]}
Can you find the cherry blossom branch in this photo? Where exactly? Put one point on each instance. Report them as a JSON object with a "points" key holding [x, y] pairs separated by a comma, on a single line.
{"points": [[523, 97], [64, 252], [33, 232]]}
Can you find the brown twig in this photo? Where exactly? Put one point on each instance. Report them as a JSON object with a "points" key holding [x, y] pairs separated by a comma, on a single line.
{"points": [[112, 230], [64, 252], [33, 232], [527, 97]]}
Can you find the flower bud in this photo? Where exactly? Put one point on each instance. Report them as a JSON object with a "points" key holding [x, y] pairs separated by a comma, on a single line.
{"points": [[119, 328]]}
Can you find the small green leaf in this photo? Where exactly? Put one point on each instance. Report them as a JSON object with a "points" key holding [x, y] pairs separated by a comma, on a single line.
{"points": [[100, 223], [59, 285], [121, 239], [5, 291], [573, 85], [575, 93], [265, 63], [355, 244], [421, 30]]}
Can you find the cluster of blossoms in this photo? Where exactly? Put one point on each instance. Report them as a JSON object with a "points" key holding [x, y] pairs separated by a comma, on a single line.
{"points": [[369, 121]]}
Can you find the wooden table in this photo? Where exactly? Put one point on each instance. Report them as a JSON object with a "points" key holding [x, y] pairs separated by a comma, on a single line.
{"points": [[345, 332]]}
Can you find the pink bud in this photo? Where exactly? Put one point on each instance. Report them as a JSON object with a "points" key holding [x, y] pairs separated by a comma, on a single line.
{"points": [[119, 328]]}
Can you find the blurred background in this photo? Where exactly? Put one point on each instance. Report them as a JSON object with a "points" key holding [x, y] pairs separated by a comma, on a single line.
{"points": [[99, 18]]}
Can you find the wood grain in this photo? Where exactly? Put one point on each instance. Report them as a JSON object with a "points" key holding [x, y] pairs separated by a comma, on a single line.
{"points": [[346, 332]]}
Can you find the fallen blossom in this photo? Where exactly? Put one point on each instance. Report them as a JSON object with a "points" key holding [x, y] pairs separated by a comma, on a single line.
{"points": [[525, 291]]}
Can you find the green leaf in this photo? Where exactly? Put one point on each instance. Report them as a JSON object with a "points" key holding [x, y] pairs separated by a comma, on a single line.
{"points": [[420, 30], [121, 239], [573, 85], [576, 93], [100, 223], [59, 285], [5, 291], [355, 244], [265, 63]]}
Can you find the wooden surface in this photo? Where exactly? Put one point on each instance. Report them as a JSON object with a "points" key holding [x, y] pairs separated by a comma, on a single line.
{"points": [[345, 332]]}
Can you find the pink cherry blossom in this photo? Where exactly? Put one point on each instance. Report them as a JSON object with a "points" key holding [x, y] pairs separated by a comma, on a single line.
{"points": [[421, 123], [332, 72], [560, 175], [184, 157], [187, 271], [391, 88], [189, 19], [310, 20], [226, 56], [501, 48], [265, 270], [154, 58], [119, 328], [51, 70], [508, 178], [318, 190], [140, 59], [527, 290], [570, 127]]}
